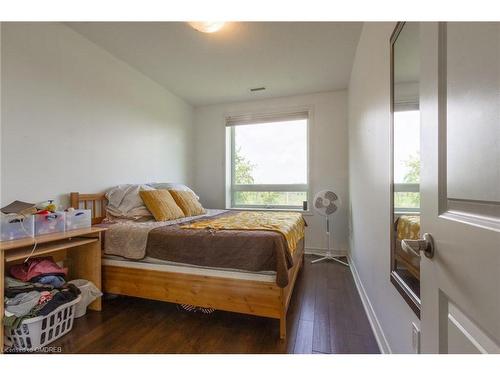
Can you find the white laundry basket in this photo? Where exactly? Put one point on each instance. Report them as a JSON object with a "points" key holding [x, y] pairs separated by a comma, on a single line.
{"points": [[35, 333]]}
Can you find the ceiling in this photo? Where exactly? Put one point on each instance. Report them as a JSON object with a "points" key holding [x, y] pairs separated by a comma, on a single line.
{"points": [[287, 58]]}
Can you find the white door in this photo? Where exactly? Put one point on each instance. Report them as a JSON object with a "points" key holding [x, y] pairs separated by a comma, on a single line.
{"points": [[460, 187]]}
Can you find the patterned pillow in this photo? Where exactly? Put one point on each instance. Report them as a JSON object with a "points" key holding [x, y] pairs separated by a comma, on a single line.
{"points": [[188, 202], [171, 186], [161, 204]]}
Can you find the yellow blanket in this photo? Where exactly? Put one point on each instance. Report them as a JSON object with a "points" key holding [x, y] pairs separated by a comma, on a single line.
{"points": [[408, 227], [290, 224]]}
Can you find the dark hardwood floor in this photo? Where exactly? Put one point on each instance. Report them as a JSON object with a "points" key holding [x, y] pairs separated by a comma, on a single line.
{"points": [[325, 316]]}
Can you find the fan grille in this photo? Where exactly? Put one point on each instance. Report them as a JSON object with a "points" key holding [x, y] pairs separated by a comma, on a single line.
{"points": [[324, 202], [331, 195], [331, 209]]}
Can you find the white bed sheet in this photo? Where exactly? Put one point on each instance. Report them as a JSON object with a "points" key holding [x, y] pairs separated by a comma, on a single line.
{"points": [[162, 265]]}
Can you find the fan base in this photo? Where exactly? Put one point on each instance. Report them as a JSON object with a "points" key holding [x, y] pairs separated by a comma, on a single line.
{"points": [[330, 257]]}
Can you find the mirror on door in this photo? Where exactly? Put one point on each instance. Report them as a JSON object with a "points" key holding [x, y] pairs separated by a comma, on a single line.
{"points": [[405, 130]]}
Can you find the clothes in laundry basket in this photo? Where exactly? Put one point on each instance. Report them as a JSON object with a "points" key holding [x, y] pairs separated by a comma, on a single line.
{"points": [[41, 304], [22, 303], [57, 300], [14, 287]]}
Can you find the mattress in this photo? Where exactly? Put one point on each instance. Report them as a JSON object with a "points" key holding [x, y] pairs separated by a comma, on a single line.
{"points": [[154, 264]]}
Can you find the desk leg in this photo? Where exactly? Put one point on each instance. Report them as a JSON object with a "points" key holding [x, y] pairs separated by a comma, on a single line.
{"points": [[2, 293], [85, 263]]}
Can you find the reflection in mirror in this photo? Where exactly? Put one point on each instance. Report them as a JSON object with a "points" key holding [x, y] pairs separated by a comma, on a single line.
{"points": [[405, 266]]}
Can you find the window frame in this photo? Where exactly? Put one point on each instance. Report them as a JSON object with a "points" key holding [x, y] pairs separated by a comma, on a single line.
{"points": [[403, 106], [232, 122], [407, 188]]}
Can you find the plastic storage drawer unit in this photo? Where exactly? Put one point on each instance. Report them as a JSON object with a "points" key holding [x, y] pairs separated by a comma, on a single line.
{"points": [[78, 219], [15, 226], [51, 222]]}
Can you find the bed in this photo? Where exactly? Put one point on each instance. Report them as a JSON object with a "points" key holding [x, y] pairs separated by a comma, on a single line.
{"points": [[407, 227], [219, 286]]}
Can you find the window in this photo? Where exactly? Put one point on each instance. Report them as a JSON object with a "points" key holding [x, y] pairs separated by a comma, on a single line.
{"points": [[407, 160], [268, 161]]}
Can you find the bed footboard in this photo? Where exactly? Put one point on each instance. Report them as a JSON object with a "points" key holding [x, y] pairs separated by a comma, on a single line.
{"points": [[251, 297]]}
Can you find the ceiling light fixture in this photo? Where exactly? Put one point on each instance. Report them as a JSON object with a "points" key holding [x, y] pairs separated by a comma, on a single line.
{"points": [[207, 27]]}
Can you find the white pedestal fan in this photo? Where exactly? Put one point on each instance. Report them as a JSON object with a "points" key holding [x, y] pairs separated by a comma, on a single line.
{"points": [[326, 203]]}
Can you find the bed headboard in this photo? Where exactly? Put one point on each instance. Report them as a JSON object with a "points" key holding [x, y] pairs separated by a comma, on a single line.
{"points": [[95, 202]]}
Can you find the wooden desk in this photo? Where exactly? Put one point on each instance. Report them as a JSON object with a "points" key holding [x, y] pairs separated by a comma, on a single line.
{"points": [[80, 250]]}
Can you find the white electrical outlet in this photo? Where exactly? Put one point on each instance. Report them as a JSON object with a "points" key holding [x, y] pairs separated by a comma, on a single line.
{"points": [[415, 338]]}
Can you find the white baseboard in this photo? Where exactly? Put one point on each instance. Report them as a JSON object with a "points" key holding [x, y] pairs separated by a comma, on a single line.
{"points": [[322, 251], [370, 312]]}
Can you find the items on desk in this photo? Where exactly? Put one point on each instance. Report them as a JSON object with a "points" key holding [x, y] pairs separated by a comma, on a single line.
{"points": [[49, 222], [17, 221], [48, 205], [14, 226], [19, 208], [21, 219], [78, 219]]}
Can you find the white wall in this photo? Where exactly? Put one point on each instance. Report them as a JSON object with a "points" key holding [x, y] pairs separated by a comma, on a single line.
{"points": [[328, 154], [1, 157], [369, 184], [75, 118]]}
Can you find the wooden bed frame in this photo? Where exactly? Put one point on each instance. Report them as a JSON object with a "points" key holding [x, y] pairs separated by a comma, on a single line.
{"points": [[252, 297]]}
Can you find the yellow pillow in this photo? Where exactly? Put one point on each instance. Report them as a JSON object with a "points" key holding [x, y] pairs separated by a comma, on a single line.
{"points": [[161, 204], [188, 202]]}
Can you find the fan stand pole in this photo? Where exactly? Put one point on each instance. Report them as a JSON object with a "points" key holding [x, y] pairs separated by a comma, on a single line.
{"points": [[329, 255]]}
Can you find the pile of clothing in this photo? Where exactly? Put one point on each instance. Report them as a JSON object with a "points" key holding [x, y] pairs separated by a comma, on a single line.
{"points": [[37, 287]]}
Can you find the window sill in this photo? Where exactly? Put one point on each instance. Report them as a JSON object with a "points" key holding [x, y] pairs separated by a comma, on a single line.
{"points": [[305, 213], [413, 213]]}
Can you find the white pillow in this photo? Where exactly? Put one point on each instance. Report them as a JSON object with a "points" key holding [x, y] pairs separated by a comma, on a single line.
{"points": [[172, 186], [125, 202]]}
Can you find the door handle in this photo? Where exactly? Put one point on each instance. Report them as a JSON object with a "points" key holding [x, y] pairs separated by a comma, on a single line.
{"points": [[425, 245]]}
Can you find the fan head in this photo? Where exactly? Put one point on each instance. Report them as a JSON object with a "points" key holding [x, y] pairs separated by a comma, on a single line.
{"points": [[326, 202]]}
